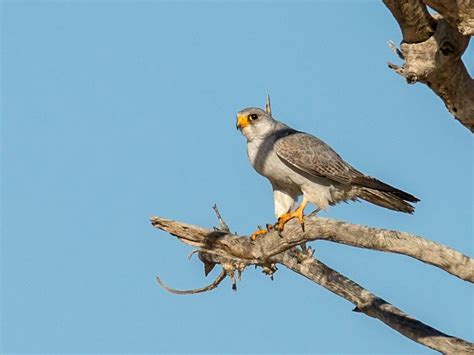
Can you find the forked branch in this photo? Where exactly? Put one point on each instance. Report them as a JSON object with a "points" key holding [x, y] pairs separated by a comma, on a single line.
{"points": [[235, 253], [459, 13], [318, 228], [432, 47]]}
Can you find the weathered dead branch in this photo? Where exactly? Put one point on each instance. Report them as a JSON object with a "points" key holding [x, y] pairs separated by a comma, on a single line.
{"points": [[373, 306], [318, 228], [414, 20], [432, 48], [209, 287], [459, 13], [235, 253]]}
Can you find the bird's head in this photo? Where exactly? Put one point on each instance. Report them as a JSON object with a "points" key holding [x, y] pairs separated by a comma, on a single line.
{"points": [[254, 122]]}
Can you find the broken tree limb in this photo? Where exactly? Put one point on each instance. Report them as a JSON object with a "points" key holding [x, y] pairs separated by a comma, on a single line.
{"points": [[318, 228], [432, 48], [373, 306], [234, 253]]}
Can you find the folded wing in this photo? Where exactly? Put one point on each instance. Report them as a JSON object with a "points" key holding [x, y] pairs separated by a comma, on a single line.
{"points": [[306, 153]]}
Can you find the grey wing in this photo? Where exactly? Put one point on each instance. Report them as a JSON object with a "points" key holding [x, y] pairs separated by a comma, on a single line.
{"points": [[312, 156]]}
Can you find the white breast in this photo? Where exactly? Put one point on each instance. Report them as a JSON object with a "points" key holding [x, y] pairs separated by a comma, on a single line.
{"points": [[265, 161]]}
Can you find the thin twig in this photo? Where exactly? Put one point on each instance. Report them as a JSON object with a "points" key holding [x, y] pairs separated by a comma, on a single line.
{"points": [[192, 253], [209, 287], [395, 49], [223, 227], [314, 213]]}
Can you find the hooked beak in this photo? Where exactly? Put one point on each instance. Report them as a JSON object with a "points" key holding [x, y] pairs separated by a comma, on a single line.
{"points": [[242, 121]]}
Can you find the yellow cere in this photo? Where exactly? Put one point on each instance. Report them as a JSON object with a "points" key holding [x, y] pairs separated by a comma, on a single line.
{"points": [[242, 121]]}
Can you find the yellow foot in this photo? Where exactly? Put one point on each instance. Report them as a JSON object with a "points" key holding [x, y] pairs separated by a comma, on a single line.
{"points": [[284, 218], [261, 231], [298, 213]]}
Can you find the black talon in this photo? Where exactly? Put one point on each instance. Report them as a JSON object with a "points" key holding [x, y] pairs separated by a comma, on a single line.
{"points": [[275, 227]]}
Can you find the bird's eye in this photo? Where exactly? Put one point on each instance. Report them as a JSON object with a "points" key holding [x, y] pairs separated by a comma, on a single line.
{"points": [[253, 116]]}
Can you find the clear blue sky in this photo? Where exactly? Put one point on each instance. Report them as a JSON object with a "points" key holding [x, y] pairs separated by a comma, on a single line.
{"points": [[113, 111]]}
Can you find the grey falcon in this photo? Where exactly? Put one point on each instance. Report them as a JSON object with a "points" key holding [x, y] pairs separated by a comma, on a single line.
{"points": [[298, 163]]}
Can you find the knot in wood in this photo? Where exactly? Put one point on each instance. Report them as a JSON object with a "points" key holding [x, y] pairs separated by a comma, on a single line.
{"points": [[411, 77], [370, 305], [447, 48]]}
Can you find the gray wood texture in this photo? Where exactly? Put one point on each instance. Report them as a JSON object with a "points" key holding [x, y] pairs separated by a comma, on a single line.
{"points": [[234, 253], [432, 47]]}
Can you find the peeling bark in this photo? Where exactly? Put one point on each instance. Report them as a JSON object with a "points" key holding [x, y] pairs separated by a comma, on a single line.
{"points": [[432, 48], [235, 253]]}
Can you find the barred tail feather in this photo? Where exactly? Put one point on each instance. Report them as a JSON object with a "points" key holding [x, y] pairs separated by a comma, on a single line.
{"points": [[372, 183], [385, 199]]}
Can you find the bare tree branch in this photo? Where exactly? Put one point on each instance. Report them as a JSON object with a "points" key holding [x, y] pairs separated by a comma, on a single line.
{"points": [[415, 22], [373, 306], [209, 287], [459, 13], [236, 252], [432, 50], [318, 228]]}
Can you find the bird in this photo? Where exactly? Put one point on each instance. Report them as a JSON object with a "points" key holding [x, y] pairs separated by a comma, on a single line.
{"points": [[299, 164]]}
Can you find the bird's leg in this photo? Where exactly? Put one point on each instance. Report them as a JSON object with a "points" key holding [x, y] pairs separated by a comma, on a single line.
{"points": [[298, 213], [261, 231]]}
